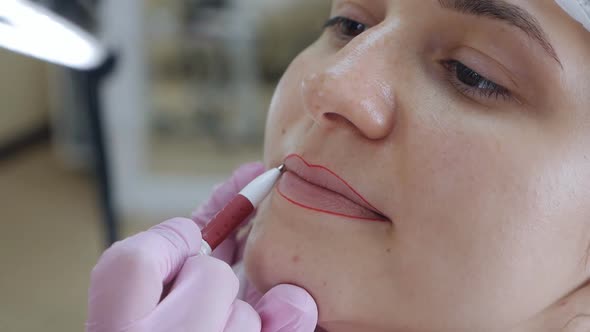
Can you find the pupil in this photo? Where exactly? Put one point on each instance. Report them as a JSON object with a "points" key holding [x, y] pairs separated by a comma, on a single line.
{"points": [[468, 76], [354, 28]]}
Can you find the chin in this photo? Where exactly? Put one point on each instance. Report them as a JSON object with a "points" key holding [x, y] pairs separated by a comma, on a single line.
{"points": [[288, 245], [274, 253]]}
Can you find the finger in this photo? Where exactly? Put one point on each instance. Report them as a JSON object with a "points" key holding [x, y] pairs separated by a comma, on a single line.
{"points": [[243, 318], [287, 308], [222, 194], [201, 298], [127, 282]]}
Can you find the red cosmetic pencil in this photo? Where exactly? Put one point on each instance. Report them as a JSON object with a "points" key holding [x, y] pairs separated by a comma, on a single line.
{"points": [[238, 209]]}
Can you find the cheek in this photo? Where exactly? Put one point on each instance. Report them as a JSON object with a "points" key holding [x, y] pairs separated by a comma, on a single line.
{"points": [[496, 211], [277, 122], [287, 119]]}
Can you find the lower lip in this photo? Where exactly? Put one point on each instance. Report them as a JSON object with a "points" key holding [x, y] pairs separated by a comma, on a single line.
{"points": [[309, 196]]}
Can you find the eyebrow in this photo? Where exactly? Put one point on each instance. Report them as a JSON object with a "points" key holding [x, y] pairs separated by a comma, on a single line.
{"points": [[506, 12]]}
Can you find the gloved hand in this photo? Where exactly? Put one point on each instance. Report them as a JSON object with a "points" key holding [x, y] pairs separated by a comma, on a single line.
{"points": [[230, 251], [154, 281]]}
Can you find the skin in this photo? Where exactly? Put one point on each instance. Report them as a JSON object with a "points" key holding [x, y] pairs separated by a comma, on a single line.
{"points": [[488, 197]]}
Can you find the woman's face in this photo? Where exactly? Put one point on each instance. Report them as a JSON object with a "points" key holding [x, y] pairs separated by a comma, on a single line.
{"points": [[466, 125]]}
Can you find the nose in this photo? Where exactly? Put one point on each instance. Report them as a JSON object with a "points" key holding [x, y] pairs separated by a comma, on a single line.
{"points": [[352, 91]]}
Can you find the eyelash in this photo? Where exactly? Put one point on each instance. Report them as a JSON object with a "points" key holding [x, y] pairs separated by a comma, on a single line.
{"points": [[463, 78], [344, 25], [470, 82]]}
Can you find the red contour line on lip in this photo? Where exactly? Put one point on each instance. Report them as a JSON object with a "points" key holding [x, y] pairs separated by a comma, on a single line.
{"points": [[348, 186], [325, 211]]}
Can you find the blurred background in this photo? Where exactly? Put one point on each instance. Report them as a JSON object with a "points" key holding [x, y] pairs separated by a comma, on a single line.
{"points": [[88, 157]]}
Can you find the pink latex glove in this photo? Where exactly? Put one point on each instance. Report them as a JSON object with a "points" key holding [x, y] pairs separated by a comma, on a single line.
{"points": [[128, 283]]}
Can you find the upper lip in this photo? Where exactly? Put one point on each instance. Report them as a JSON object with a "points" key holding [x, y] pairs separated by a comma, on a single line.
{"points": [[314, 174]]}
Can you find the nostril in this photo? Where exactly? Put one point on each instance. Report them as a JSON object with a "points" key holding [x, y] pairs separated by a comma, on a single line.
{"points": [[337, 118], [331, 116]]}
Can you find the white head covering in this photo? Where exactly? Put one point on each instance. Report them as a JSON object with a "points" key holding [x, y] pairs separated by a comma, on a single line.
{"points": [[578, 9]]}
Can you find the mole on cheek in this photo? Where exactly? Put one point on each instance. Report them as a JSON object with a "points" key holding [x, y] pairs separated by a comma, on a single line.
{"points": [[283, 131]]}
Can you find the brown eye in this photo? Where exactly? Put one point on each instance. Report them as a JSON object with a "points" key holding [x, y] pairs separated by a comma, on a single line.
{"points": [[346, 27]]}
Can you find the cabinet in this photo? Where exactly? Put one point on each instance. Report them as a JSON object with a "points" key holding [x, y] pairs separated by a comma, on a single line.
{"points": [[189, 99]]}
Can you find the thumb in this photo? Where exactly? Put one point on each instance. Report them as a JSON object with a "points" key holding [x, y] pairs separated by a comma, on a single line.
{"points": [[287, 308]]}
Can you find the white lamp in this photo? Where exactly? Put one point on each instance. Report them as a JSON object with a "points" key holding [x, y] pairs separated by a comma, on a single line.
{"points": [[33, 30]]}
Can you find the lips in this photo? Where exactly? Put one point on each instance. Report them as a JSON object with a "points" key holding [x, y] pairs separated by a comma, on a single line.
{"points": [[317, 188]]}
